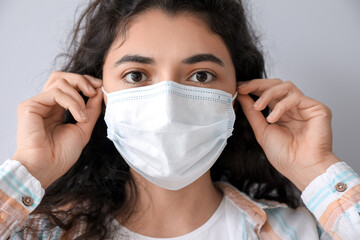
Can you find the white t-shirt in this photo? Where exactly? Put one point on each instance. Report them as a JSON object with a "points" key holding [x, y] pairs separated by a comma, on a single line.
{"points": [[228, 222]]}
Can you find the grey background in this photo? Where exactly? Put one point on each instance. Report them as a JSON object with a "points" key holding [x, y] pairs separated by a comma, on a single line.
{"points": [[313, 43]]}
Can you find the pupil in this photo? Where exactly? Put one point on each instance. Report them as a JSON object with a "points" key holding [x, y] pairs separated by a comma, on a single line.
{"points": [[136, 76], [201, 76]]}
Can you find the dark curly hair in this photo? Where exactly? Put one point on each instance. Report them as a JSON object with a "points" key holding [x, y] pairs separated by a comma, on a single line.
{"points": [[100, 184]]}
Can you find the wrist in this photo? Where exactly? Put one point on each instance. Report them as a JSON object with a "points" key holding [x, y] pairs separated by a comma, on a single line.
{"points": [[303, 176], [40, 174]]}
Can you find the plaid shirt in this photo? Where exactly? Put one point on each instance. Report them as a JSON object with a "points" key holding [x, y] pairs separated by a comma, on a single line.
{"points": [[332, 208]]}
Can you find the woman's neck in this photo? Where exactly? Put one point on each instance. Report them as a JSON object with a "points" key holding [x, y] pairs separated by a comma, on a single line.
{"points": [[165, 213]]}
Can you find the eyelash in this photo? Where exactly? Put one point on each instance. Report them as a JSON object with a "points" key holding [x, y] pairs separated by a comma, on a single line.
{"points": [[204, 83], [135, 83], [123, 77]]}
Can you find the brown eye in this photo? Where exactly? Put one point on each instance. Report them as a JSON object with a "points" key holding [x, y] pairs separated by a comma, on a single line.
{"points": [[202, 77], [135, 77]]}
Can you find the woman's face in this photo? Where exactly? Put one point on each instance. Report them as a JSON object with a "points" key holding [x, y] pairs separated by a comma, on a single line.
{"points": [[177, 48]]}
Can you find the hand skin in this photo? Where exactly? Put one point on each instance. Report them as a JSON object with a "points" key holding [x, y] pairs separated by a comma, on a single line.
{"points": [[296, 136], [46, 147]]}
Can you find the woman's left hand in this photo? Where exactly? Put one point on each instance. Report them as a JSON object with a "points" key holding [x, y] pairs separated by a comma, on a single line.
{"points": [[296, 137]]}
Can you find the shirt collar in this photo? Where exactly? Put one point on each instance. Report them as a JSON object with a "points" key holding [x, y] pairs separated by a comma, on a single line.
{"points": [[254, 208]]}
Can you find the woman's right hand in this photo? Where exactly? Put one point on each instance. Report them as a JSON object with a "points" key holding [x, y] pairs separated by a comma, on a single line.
{"points": [[45, 146]]}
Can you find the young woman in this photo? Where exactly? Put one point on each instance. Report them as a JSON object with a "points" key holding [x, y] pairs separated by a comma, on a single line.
{"points": [[162, 139]]}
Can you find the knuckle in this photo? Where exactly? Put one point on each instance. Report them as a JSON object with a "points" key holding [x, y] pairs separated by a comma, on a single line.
{"points": [[83, 81], [277, 80], [269, 93], [26, 103], [52, 79], [280, 107], [26, 106], [289, 83], [327, 111], [21, 106], [78, 81], [297, 95], [55, 74], [27, 110], [61, 82], [57, 92]]}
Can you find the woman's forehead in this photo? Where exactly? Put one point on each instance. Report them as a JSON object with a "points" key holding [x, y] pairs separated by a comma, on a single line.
{"points": [[155, 33]]}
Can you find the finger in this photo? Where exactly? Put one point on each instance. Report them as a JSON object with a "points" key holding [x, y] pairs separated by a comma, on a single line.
{"points": [[284, 105], [274, 93], [68, 89], [96, 82], [46, 101], [257, 86], [77, 81], [255, 118], [93, 107], [311, 108]]}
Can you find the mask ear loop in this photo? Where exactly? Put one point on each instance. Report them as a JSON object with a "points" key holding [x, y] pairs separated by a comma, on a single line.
{"points": [[106, 94], [233, 98]]}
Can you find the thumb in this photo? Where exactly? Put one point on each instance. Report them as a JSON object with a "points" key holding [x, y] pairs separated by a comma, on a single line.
{"points": [[93, 108], [256, 119]]}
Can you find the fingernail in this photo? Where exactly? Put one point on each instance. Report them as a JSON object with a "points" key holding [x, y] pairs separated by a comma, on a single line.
{"points": [[242, 84], [257, 103], [97, 79], [92, 90], [84, 115], [271, 115]]}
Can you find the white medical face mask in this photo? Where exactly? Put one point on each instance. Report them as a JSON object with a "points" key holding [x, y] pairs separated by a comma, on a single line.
{"points": [[170, 133]]}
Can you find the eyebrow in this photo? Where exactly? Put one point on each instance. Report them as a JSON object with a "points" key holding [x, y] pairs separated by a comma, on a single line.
{"points": [[204, 57], [134, 58]]}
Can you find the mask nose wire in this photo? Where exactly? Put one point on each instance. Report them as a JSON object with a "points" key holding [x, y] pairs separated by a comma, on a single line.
{"points": [[106, 94]]}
